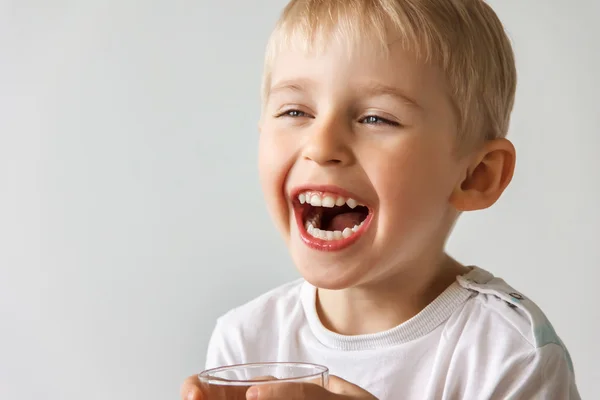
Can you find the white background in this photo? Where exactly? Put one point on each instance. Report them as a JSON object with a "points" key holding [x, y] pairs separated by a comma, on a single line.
{"points": [[130, 211]]}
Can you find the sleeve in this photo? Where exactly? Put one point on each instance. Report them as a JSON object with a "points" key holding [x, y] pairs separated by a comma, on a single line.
{"points": [[221, 348], [547, 373]]}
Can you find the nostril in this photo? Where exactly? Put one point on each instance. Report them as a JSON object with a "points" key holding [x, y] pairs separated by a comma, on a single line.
{"points": [[334, 161], [327, 157], [330, 161]]}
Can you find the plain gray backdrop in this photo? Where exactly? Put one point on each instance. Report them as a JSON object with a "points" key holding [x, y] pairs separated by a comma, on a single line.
{"points": [[130, 211]]}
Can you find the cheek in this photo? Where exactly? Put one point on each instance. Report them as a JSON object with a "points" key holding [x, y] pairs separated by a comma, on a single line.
{"points": [[267, 168], [414, 185], [273, 166]]}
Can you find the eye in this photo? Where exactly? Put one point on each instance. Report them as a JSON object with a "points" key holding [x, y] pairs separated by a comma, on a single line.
{"points": [[292, 114], [375, 120]]}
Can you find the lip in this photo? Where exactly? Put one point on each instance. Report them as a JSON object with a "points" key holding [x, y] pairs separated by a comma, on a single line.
{"points": [[320, 244]]}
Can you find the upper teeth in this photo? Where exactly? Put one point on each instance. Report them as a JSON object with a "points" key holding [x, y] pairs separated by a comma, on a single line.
{"points": [[326, 200]]}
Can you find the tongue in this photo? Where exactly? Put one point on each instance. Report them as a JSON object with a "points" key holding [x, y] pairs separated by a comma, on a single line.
{"points": [[345, 220]]}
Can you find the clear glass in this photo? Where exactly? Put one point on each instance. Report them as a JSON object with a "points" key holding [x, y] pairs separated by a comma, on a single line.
{"points": [[232, 382]]}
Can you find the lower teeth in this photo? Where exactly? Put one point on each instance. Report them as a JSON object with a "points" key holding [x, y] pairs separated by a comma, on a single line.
{"points": [[331, 235]]}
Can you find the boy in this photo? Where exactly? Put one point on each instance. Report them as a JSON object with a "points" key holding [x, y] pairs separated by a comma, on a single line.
{"points": [[382, 121]]}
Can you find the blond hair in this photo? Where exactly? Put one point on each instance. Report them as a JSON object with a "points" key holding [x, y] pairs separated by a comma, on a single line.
{"points": [[464, 38]]}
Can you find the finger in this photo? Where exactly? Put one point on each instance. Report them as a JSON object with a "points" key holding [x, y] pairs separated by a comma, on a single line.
{"points": [[288, 391], [190, 389], [344, 388]]}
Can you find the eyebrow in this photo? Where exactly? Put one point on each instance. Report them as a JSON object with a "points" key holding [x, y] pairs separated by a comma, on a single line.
{"points": [[374, 89], [371, 89], [295, 85]]}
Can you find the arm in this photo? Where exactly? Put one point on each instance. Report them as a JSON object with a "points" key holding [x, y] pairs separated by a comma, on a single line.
{"points": [[546, 373], [219, 353], [220, 350]]}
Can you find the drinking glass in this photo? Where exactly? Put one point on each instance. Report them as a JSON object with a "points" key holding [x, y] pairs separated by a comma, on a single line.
{"points": [[231, 382]]}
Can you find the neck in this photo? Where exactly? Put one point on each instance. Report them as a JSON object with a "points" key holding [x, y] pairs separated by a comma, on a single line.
{"points": [[389, 302]]}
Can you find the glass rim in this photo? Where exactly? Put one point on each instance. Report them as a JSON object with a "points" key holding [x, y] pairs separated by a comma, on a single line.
{"points": [[206, 376]]}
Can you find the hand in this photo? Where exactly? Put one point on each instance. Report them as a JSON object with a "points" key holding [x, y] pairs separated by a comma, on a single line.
{"points": [[193, 390], [190, 390], [339, 389]]}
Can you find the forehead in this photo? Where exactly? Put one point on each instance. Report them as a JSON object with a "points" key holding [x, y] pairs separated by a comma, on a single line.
{"points": [[337, 66]]}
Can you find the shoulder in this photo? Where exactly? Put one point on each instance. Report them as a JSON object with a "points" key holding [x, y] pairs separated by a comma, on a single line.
{"points": [[513, 349], [503, 309], [270, 306], [250, 333]]}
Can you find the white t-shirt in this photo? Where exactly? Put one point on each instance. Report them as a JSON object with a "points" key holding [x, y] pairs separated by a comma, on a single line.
{"points": [[480, 339]]}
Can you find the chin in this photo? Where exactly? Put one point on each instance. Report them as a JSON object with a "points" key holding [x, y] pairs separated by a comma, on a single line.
{"points": [[333, 275]]}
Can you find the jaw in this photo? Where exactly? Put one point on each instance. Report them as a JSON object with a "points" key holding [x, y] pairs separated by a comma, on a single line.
{"points": [[332, 270]]}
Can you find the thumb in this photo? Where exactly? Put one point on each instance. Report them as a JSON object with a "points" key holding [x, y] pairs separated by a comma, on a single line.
{"points": [[349, 390], [191, 389]]}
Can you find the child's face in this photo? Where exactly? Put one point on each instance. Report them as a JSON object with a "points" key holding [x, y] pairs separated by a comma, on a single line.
{"points": [[379, 130]]}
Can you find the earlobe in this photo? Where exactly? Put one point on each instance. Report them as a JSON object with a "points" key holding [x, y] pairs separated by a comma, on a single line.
{"points": [[486, 177]]}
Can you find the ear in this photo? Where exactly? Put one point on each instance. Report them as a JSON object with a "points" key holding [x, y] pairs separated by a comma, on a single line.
{"points": [[486, 177]]}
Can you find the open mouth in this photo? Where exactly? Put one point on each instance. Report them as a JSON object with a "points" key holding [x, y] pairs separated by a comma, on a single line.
{"points": [[330, 217]]}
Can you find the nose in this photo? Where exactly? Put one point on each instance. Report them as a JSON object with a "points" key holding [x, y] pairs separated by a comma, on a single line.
{"points": [[328, 144]]}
